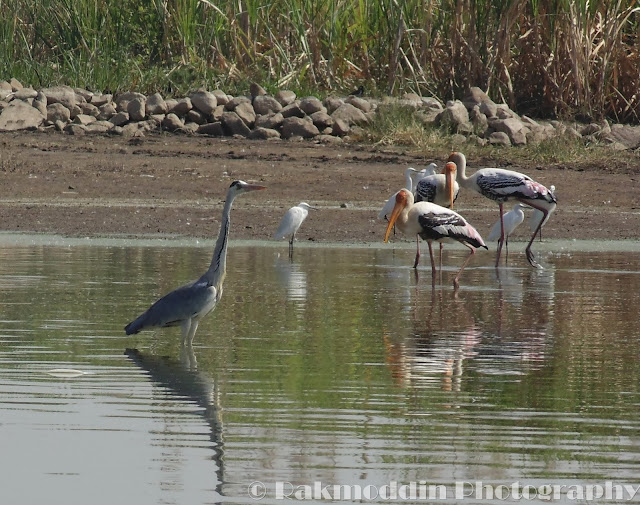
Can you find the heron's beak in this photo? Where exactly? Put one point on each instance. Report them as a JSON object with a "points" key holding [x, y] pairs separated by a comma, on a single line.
{"points": [[395, 214], [254, 187]]}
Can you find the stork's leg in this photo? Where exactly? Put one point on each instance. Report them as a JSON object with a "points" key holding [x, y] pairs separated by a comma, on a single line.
{"points": [[501, 241], [415, 264], [433, 263], [440, 269], [472, 250]]}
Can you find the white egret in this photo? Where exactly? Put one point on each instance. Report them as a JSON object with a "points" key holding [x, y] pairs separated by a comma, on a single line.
{"points": [[291, 222]]}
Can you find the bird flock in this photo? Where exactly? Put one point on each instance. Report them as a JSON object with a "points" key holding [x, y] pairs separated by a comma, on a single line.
{"points": [[424, 208]]}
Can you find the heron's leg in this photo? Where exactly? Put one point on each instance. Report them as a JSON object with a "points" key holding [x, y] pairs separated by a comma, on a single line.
{"points": [[185, 326], [192, 331], [293, 235], [456, 284], [501, 241], [506, 249], [415, 264]]}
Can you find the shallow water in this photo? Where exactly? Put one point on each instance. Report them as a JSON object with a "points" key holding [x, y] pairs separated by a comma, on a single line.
{"points": [[340, 367]]}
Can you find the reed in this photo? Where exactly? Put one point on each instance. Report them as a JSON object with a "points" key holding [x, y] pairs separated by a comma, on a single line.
{"points": [[543, 57]]}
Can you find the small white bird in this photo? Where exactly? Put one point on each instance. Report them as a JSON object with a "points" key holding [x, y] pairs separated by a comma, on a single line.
{"points": [[290, 223], [512, 220]]}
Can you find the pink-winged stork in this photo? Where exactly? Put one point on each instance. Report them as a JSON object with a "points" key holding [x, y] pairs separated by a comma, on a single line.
{"points": [[433, 222], [502, 186]]}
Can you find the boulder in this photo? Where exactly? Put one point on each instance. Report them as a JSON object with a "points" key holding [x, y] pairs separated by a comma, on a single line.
{"points": [[136, 109], [349, 114], [285, 97], [265, 104], [19, 115], [298, 127], [58, 112], [245, 111], [311, 104], [61, 94], [264, 134], [156, 104], [234, 125], [204, 101]]}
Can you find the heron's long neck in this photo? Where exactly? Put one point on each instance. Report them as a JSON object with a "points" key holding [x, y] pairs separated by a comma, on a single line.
{"points": [[218, 268]]}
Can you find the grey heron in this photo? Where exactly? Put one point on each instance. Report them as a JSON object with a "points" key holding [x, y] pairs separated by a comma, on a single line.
{"points": [[503, 185], [186, 305], [291, 222]]}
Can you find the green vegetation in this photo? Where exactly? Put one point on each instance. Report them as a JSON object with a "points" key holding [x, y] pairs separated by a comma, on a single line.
{"points": [[542, 57]]}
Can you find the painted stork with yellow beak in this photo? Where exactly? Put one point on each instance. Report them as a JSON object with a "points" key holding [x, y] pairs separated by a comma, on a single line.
{"points": [[433, 222], [503, 186]]}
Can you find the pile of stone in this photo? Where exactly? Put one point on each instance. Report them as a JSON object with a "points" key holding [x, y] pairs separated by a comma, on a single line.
{"points": [[261, 116]]}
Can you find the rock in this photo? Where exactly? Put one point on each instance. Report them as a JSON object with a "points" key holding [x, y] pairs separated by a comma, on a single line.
{"points": [[19, 115], [89, 109], [100, 127], [84, 119], [360, 103], [107, 111], [75, 129], [329, 139], [349, 114], [216, 115], [322, 120], [512, 127], [256, 90], [214, 129], [25, 93], [119, 119], [136, 109], [100, 100], [285, 97], [292, 110], [504, 112], [500, 139], [264, 134], [625, 135], [332, 104], [478, 120], [58, 112], [83, 94], [264, 104], [172, 122], [234, 102], [40, 103], [270, 122], [15, 84], [298, 127], [476, 97], [245, 111], [61, 94], [431, 103], [340, 127], [453, 117], [489, 109], [156, 104], [122, 100], [311, 104], [181, 107], [234, 125], [204, 101], [221, 97], [197, 117]]}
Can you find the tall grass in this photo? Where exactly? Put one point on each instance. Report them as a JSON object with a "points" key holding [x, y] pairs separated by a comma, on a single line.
{"points": [[543, 57]]}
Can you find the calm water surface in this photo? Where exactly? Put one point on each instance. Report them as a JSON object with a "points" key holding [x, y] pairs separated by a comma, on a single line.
{"points": [[340, 367]]}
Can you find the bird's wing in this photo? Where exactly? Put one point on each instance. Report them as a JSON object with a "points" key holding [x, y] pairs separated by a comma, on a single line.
{"points": [[387, 209], [426, 189], [174, 307], [500, 185], [290, 222], [441, 225]]}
